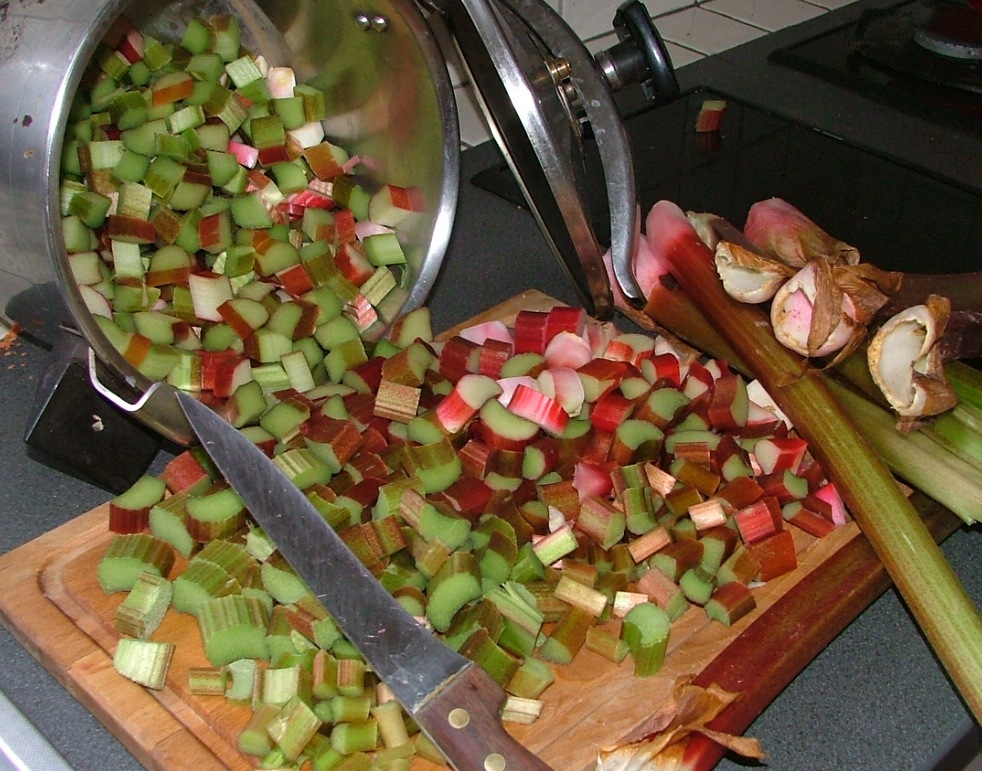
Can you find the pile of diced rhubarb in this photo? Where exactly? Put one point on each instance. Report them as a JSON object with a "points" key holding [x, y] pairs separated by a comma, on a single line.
{"points": [[525, 491]]}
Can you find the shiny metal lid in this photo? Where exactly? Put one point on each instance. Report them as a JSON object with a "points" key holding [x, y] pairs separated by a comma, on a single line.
{"points": [[542, 92]]}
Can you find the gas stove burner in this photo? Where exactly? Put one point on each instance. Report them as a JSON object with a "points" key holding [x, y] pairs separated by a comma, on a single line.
{"points": [[875, 55], [906, 41], [954, 30]]}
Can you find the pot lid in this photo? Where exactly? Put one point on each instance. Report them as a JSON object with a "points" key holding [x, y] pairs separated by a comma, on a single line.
{"points": [[542, 92]]}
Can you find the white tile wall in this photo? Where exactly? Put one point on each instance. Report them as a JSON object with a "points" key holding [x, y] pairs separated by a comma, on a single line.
{"points": [[691, 29]]}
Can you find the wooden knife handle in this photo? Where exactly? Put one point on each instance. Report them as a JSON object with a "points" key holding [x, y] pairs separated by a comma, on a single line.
{"points": [[464, 720]]}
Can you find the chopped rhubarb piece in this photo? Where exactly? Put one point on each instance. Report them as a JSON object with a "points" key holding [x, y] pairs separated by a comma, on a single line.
{"points": [[494, 353], [458, 357], [659, 480], [741, 492], [600, 376], [777, 454], [487, 330], [728, 404], [610, 410], [775, 555], [759, 520], [567, 349], [830, 496], [530, 330], [395, 401], [468, 396], [565, 318], [535, 406], [562, 496], [229, 374], [651, 542], [185, 473], [708, 514], [664, 366], [564, 385], [710, 116], [784, 486], [601, 521], [591, 479], [730, 602], [807, 520]]}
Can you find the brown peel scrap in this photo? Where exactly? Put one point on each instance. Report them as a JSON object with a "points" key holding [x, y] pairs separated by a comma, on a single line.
{"points": [[748, 276], [657, 743], [905, 362]]}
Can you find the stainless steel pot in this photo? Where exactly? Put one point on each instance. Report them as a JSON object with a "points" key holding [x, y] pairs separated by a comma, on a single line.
{"points": [[387, 82], [377, 59]]}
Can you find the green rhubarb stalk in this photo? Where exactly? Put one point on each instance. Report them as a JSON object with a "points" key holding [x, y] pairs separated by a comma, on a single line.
{"points": [[916, 458], [944, 611]]}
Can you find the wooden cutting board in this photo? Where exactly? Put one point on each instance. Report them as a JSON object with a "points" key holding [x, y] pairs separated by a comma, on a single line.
{"points": [[51, 602]]}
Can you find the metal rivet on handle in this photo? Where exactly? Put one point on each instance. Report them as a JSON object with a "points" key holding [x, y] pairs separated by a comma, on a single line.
{"points": [[495, 762], [371, 22], [459, 718]]}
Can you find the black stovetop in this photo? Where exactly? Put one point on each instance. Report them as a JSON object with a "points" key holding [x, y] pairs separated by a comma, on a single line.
{"points": [[900, 216], [876, 55]]}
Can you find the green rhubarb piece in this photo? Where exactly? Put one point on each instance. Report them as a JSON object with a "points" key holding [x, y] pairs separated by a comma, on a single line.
{"points": [[531, 679], [611, 647], [141, 612], [242, 680], [130, 508], [492, 658], [642, 438], [439, 521], [225, 37], [130, 555], [90, 207], [645, 630], [208, 681], [234, 558], [697, 585], [143, 661], [282, 581], [302, 467], [556, 545], [233, 627], [456, 583], [350, 738], [254, 739], [280, 685], [436, 465], [568, 636], [290, 110], [384, 249], [205, 66], [730, 603], [292, 727], [528, 566], [216, 514], [199, 582]]}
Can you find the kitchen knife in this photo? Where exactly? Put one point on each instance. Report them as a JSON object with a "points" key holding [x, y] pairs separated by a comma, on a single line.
{"points": [[452, 699]]}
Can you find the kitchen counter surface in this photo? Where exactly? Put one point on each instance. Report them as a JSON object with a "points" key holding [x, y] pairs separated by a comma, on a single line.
{"points": [[874, 699]]}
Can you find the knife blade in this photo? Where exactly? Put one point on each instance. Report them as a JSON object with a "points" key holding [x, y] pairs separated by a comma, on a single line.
{"points": [[452, 699]]}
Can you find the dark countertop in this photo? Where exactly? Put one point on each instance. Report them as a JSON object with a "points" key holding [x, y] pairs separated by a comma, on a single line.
{"points": [[874, 699]]}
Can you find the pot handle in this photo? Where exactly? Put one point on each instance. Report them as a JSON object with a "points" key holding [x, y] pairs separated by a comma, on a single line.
{"points": [[107, 393]]}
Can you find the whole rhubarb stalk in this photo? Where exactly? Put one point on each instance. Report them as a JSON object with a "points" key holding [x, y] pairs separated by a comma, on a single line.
{"points": [[944, 611]]}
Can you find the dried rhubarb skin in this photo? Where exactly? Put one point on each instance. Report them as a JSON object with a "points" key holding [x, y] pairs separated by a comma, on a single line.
{"points": [[905, 361]]}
